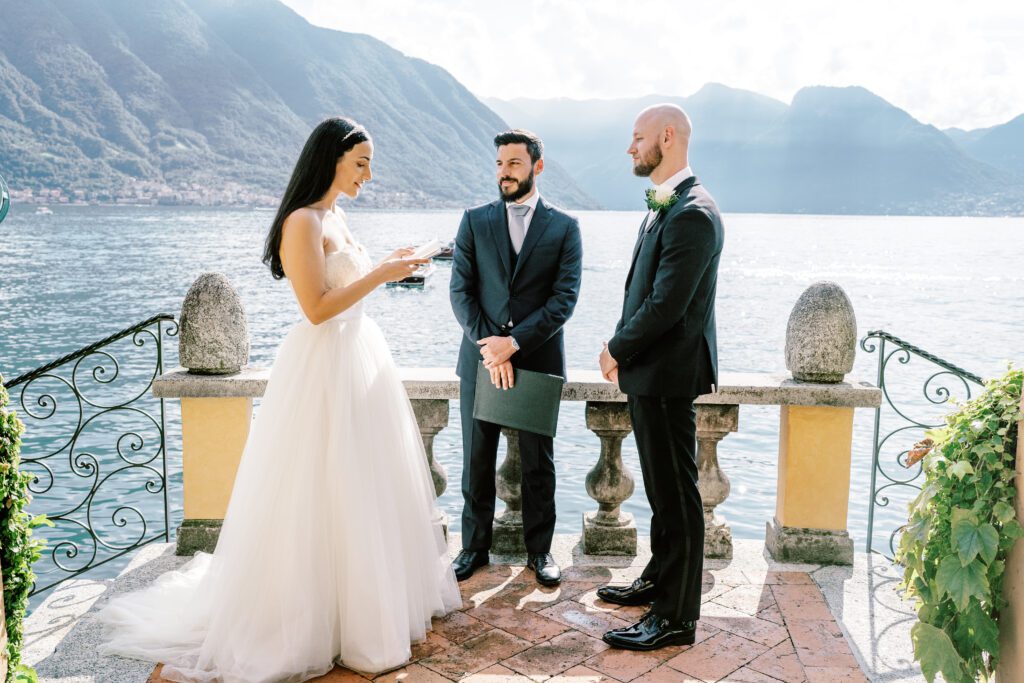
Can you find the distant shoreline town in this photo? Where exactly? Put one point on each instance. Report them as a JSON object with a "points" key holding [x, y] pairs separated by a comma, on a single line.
{"points": [[148, 193]]}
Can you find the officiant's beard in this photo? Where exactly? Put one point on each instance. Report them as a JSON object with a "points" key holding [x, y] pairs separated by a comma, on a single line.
{"points": [[523, 188], [645, 167]]}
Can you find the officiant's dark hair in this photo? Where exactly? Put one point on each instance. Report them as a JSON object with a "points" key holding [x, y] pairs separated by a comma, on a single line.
{"points": [[534, 146], [312, 177]]}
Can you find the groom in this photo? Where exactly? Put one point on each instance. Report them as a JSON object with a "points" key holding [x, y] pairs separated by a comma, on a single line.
{"points": [[664, 355], [515, 281]]}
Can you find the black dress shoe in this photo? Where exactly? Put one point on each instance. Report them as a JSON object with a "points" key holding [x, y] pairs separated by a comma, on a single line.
{"points": [[468, 562], [543, 565], [640, 592], [652, 632]]}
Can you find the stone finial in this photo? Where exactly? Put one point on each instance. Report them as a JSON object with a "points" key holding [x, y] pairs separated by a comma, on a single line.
{"points": [[213, 335], [821, 336]]}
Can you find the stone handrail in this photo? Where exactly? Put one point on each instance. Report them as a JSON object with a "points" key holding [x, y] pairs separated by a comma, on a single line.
{"points": [[581, 385], [607, 530]]}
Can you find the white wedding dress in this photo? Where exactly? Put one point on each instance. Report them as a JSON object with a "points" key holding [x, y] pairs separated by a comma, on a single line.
{"points": [[330, 550]]}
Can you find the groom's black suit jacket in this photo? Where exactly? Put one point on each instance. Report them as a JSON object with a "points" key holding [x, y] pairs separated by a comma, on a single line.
{"points": [[665, 341], [536, 291]]}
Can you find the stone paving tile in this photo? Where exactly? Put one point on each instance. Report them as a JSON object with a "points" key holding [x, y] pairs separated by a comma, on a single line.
{"points": [[831, 674], [499, 674], [581, 674], [760, 631], [631, 614], [801, 603], [593, 574], [414, 673], [581, 618], [625, 665], [475, 654], [747, 599], [556, 655], [666, 674], [521, 623], [531, 597], [775, 578], [459, 627], [434, 643], [746, 675], [821, 644], [490, 577], [780, 662], [717, 656], [341, 675], [772, 614]]}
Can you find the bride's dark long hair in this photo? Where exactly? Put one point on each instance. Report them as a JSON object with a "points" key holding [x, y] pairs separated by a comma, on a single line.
{"points": [[312, 177]]}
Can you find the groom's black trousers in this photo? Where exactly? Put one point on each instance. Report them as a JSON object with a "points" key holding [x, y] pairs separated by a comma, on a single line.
{"points": [[666, 439], [480, 454]]}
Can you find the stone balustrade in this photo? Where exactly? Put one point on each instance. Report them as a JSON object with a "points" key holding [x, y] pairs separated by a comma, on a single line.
{"points": [[816, 427]]}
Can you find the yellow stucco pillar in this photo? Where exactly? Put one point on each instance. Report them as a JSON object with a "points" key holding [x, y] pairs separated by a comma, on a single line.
{"points": [[213, 434], [813, 492]]}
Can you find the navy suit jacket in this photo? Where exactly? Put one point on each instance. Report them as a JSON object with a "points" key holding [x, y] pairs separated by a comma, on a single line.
{"points": [[665, 342], [531, 301]]}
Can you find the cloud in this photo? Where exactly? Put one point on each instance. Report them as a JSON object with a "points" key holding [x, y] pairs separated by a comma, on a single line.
{"points": [[945, 64]]}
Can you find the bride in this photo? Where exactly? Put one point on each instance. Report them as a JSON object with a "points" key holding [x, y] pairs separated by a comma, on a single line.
{"points": [[329, 550]]}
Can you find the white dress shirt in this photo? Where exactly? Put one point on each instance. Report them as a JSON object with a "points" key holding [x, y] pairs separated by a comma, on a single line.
{"points": [[671, 183]]}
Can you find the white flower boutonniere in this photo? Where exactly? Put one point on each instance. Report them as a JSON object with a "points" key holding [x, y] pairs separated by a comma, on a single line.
{"points": [[661, 197]]}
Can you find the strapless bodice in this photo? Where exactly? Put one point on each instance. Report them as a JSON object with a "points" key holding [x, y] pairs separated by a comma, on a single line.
{"points": [[345, 266]]}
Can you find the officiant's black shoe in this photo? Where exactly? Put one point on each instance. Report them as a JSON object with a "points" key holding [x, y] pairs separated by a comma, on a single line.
{"points": [[543, 565], [640, 592], [651, 633], [468, 562]]}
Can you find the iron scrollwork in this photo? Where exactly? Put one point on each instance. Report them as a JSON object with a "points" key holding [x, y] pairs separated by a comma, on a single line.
{"points": [[899, 423], [96, 447]]}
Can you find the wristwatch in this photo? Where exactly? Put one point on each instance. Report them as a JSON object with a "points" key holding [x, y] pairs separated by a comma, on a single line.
{"points": [[515, 344]]}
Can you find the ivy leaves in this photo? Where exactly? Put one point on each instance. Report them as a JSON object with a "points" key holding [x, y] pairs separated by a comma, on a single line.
{"points": [[959, 533], [18, 550]]}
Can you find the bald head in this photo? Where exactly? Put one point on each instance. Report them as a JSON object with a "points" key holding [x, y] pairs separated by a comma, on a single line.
{"points": [[661, 140], [664, 116]]}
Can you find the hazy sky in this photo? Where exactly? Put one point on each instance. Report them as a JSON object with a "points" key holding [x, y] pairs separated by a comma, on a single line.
{"points": [[947, 63]]}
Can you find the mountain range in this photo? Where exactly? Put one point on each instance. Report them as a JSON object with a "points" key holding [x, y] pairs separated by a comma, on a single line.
{"points": [[204, 93], [831, 150], [100, 95]]}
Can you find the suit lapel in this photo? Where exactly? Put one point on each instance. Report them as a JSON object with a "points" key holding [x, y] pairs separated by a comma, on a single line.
{"points": [[649, 226], [499, 231], [533, 234]]}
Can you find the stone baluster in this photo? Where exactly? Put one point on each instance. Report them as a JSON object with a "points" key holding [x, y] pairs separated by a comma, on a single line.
{"points": [[713, 423], [432, 417], [609, 531], [508, 526]]}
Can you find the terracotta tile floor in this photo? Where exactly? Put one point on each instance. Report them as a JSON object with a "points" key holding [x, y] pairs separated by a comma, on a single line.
{"points": [[761, 627]]}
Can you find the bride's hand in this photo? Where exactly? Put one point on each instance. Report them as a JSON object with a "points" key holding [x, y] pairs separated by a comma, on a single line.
{"points": [[393, 270], [402, 253]]}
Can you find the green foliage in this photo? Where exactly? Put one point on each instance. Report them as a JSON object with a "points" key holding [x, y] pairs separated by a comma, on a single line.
{"points": [[961, 529], [18, 550]]}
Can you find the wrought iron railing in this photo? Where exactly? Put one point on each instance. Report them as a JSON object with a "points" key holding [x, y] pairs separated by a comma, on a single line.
{"points": [[899, 424], [95, 444], [5, 199]]}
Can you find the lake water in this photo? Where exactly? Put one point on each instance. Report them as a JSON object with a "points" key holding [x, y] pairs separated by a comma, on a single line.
{"points": [[950, 285]]}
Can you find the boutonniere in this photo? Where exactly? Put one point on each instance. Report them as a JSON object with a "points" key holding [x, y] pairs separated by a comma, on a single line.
{"points": [[661, 197]]}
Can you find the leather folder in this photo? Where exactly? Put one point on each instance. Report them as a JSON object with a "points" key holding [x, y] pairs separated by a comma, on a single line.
{"points": [[530, 405]]}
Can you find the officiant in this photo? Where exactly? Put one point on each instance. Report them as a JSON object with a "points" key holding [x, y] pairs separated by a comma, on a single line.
{"points": [[515, 281]]}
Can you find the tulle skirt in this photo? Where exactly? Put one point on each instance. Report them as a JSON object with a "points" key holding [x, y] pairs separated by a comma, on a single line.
{"points": [[331, 550]]}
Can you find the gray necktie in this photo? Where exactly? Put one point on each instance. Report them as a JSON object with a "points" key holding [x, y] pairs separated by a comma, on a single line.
{"points": [[517, 224]]}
